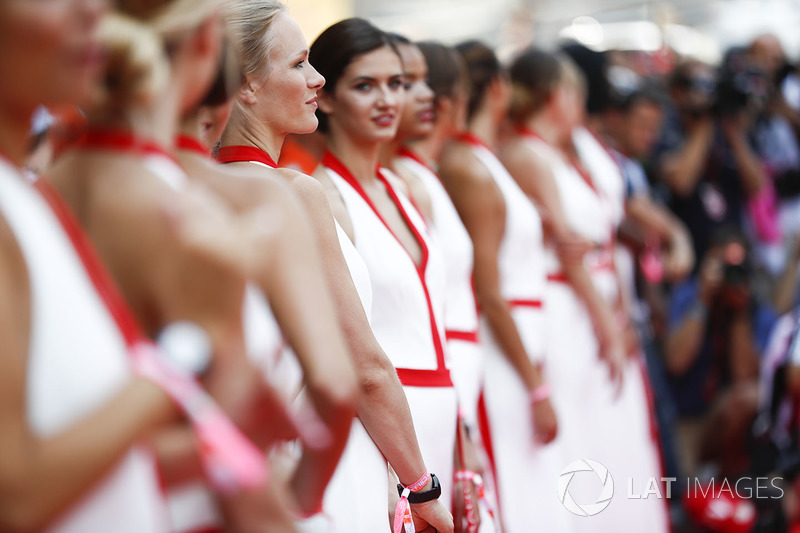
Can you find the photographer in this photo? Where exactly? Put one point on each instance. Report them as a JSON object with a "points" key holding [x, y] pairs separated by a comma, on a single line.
{"points": [[706, 156], [712, 358]]}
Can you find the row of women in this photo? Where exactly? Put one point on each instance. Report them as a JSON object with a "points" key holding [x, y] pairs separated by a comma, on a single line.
{"points": [[429, 324]]}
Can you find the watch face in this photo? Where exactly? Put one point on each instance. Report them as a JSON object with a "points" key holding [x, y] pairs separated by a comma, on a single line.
{"points": [[186, 346]]}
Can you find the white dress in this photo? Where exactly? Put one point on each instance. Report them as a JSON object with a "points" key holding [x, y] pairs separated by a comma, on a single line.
{"points": [[594, 423], [525, 471], [355, 499], [407, 310], [77, 362], [465, 359]]}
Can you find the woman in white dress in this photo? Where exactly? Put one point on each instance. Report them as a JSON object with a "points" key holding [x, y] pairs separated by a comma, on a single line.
{"points": [[359, 109], [517, 418], [74, 415], [174, 249], [594, 383], [278, 98], [431, 117]]}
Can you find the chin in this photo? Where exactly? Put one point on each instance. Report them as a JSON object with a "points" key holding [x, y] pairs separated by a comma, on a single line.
{"points": [[307, 126]]}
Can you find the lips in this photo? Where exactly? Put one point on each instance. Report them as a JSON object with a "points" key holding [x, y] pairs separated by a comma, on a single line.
{"points": [[426, 115], [312, 102], [385, 120]]}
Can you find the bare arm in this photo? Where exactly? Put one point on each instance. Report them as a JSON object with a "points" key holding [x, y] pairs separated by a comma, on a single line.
{"points": [[537, 181], [683, 344], [294, 281], [751, 171], [682, 169], [659, 221], [41, 477], [382, 406], [482, 209]]}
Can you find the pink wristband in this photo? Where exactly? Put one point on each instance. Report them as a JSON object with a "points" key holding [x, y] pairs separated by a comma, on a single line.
{"points": [[402, 513], [540, 393]]}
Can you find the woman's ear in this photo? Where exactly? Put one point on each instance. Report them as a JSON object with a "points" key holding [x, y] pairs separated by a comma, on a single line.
{"points": [[248, 91], [324, 101], [208, 37]]}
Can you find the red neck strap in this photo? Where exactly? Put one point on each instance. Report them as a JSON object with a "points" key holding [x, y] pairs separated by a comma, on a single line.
{"points": [[470, 138], [405, 151], [121, 141], [191, 144], [410, 377], [241, 153]]}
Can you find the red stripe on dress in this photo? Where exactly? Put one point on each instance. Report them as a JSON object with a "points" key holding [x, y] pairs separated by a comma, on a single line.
{"points": [[408, 376], [466, 336], [405, 151], [486, 436], [526, 303], [122, 141], [103, 284], [106, 288], [190, 144], [244, 154]]}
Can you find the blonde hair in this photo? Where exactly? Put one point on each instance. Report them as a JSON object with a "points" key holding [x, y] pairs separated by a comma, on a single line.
{"points": [[250, 22], [138, 37]]}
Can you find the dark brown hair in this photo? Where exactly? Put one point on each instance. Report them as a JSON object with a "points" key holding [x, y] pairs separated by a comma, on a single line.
{"points": [[483, 67], [446, 68], [338, 46]]}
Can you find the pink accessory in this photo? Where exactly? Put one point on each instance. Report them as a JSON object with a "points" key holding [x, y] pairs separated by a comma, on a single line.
{"points": [[402, 513], [540, 393], [230, 460]]}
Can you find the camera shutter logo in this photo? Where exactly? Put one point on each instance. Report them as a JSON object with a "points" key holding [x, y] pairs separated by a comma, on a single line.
{"points": [[590, 509]]}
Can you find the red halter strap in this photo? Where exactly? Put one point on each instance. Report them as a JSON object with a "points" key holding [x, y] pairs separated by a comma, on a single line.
{"points": [[241, 153], [408, 376], [191, 144]]}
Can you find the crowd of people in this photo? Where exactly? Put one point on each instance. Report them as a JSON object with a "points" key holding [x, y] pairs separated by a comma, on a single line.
{"points": [[371, 284]]}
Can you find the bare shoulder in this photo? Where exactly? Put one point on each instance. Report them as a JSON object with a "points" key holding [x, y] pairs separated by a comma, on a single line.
{"points": [[459, 164]]}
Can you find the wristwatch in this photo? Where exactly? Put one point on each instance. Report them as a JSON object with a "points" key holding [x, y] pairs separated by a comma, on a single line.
{"points": [[421, 497], [185, 347]]}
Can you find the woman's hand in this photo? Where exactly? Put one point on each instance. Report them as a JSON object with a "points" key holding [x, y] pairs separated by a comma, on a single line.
{"points": [[545, 422]]}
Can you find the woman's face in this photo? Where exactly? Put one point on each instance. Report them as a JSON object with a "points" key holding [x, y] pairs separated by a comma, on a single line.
{"points": [[418, 111], [368, 98], [51, 51], [287, 99], [569, 102]]}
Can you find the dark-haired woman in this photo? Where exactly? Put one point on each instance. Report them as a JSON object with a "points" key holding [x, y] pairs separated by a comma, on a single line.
{"points": [[585, 356], [510, 284], [279, 77], [359, 109], [431, 117]]}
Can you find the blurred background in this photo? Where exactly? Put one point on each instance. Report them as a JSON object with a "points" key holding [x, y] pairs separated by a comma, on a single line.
{"points": [[698, 28]]}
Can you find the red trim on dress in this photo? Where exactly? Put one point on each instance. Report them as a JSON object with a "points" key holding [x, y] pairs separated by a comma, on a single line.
{"points": [[244, 154], [526, 303], [405, 151], [486, 436], [122, 141], [466, 336], [107, 289], [411, 377], [470, 138], [574, 161], [191, 144]]}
